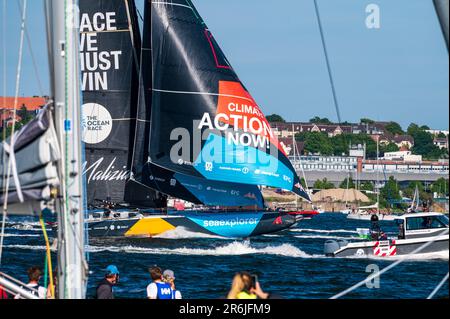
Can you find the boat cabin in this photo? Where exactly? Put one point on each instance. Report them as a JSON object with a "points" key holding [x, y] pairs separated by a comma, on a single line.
{"points": [[419, 225]]}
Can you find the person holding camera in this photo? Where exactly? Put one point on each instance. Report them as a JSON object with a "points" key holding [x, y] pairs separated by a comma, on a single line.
{"points": [[246, 286]]}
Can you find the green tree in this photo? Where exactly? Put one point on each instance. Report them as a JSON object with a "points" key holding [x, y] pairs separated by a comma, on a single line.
{"points": [[423, 145], [318, 143], [303, 182], [323, 184], [441, 187], [275, 118], [411, 188], [366, 121], [394, 128], [7, 131], [342, 142], [391, 190], [413, 128], [319, 120], [24, 115], [441, 135], [350, 182], [367, 186], [391, 147]]}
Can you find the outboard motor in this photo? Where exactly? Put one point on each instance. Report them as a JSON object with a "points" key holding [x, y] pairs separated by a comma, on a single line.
{"points": [[330, 247]]}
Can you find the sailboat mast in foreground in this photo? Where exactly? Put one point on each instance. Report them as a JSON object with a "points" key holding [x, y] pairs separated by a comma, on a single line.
{"points": [[65, 74]]}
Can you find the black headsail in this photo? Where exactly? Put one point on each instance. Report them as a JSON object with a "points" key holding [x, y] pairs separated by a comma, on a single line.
{"points": [[109, 65], [204, 122]]}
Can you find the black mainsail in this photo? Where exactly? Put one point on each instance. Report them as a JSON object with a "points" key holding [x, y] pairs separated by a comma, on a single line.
{"points": [[204, 122], [110, 67]]}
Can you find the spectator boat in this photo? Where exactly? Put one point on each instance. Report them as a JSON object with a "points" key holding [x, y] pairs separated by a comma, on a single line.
{"points": [[415, 230]]}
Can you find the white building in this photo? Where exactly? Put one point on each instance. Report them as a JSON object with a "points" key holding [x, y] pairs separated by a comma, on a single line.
{"points": [[437, 132], [405, 156]]}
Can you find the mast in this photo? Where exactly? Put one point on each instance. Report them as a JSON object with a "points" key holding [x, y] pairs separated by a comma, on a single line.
{"points": [[66, 90], [442, 7], [378, 179], [295, 157], [327, 59]]}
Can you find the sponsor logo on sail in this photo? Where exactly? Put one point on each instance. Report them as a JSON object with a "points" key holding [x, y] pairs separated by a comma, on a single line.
{"points": [[287, 179], [96, 123], [208, 166], [95, 172]]}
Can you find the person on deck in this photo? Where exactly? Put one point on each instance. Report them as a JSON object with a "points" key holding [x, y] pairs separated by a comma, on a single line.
{"points": [[401, 230], [34, 275], [158, 289], [105, 288], [374, 227], [169, 277]]}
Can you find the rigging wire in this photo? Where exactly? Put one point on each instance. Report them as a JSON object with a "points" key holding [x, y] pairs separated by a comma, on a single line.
{"points": [[33, 59], [377, 274], [438, 287], [3, 111], [325, 50], [16, 96]]}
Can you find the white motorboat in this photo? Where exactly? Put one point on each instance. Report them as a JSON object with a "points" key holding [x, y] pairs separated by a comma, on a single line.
{"points": [[415, 230], [366, 213]]}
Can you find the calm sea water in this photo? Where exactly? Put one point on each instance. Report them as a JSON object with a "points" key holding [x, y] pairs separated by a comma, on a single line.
{"points": [[290, 263]]}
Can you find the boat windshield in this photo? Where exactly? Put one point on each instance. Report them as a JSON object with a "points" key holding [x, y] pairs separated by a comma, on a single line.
{"points": [[425, 222]]}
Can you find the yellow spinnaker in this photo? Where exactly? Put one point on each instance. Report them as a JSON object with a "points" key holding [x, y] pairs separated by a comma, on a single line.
{"points": [[149, 227]]}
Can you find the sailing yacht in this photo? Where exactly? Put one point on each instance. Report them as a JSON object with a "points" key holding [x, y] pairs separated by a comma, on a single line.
{"points": [[165, 114]]}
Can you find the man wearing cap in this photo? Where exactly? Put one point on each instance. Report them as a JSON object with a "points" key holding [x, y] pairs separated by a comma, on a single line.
{"points": [[105, 288], [169, 277]]}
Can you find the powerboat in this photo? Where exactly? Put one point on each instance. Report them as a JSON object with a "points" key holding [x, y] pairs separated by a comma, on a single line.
{"points": [[415, 230]]}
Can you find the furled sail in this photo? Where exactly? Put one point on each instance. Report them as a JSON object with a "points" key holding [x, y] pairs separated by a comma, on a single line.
{"points": [[109, 72], [33, 169], [204, 122]]}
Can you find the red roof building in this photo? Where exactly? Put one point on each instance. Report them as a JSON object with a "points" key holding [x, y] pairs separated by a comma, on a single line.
{"points": [[32, 104]]}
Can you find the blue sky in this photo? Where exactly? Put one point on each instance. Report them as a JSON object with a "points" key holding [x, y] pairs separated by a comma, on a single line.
{"points": [[398, 72]]}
